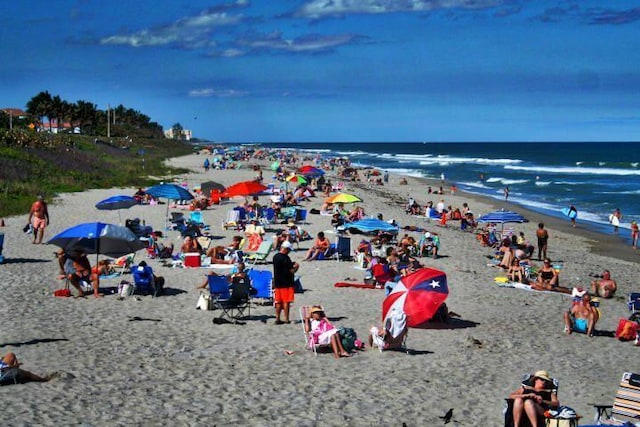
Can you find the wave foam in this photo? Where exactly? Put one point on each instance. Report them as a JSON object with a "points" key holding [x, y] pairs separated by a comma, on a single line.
{"points": [[576, 171]]}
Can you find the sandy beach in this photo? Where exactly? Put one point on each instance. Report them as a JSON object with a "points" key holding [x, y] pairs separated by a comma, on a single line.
{"points": [[159, 361]]}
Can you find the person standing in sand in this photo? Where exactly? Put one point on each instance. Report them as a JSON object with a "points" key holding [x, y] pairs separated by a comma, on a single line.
{"points": [[283, 281], [634, 234], [39, 218], [543, 239]]}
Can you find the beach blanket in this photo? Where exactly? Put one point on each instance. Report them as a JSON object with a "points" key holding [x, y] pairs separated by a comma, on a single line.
{"points": [[522, 286], [355, 285]]}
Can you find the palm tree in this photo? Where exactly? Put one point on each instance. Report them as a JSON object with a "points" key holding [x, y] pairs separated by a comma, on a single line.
{"points": [[85, 114], [40, 106]]}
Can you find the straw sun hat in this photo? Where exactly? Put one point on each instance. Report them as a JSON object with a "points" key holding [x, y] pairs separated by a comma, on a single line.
{"points": [[543, 375], [316, 309]]}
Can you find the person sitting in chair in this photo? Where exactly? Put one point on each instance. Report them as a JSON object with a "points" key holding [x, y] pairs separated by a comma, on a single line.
{"points": [[322, 332], [393, 334], [190, 245], [583, 315], [10, 371], [320, 246], [225, 255], [533, 398], [156, 282]]}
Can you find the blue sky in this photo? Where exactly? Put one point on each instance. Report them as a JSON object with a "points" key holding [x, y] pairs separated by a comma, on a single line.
{"points": [[338, 70]]}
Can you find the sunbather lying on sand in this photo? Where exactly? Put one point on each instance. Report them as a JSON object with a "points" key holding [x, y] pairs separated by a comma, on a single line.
{"points": [[10, 371]]}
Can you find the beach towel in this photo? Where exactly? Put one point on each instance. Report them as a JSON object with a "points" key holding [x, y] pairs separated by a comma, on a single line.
{"points": [[355, 285]]}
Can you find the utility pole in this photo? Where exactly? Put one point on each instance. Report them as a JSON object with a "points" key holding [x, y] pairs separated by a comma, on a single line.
{"points": [[10, 119], [108, 121]]}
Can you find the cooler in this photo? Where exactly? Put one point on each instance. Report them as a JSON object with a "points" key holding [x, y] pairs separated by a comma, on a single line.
{"points": [[192, 259]]}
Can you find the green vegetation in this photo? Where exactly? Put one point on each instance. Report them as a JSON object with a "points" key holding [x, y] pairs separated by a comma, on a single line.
{"points": [[33, 163]]}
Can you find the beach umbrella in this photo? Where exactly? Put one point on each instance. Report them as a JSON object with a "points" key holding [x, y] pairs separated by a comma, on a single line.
{"points": [[275, 165], [206, 187], [116, 203], [310, 171], [502, 217], [343, 198], [244, 188], [368, 225], [296, 179], [98, 238], [418, 295], [169, 191]]}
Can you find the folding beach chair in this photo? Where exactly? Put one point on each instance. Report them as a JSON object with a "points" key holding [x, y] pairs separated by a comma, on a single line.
{"points": [[305, 312], [527, 383], [626, 403], [394, 334], [239, 301], [262, 281], [195, 217], [232, 220], [125, 262], [343, 248], [268, 216], [261, 254]]}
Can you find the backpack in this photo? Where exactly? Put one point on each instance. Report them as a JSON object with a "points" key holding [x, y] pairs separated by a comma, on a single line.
{"points": [[348, 337]]}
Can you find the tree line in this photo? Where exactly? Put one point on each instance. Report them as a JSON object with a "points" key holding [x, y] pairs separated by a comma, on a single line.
{"points": [[85, 116]]}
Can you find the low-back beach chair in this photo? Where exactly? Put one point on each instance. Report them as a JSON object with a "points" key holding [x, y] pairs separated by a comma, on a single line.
{"points": [[239, 301], [262, 281], [261, 254], [527, 383], [196, 217], [626, 403], [305, 312], [394, 324], [232, 220]]}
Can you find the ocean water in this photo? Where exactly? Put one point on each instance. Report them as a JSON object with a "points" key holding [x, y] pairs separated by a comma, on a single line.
{"points": [[546, 177]]}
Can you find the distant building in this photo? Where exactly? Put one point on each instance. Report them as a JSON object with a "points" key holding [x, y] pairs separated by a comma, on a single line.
{"points": [[186, 134], [15, 112]]}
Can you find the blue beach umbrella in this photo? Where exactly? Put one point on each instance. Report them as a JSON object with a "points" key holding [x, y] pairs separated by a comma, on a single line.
{"points": [[98, 238], [502, 217], [372, 224], [169, 191], [116, 203]]}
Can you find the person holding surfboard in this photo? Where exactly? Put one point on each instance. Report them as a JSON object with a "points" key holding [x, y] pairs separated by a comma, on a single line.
{"points": [[615, 218], [573, 214]]}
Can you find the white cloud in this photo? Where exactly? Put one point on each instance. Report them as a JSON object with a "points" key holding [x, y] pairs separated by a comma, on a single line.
{"points": [[323, 8], [307, 43], [219, 93], [190, 32]]}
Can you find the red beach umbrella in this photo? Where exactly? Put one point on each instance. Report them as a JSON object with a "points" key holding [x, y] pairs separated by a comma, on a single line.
{"points": [[244, 188], [418, 295], [310, 171]]}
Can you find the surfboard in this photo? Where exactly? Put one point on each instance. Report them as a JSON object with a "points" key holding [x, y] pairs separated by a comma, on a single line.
{"points": [[614, 220], [571, 214]]}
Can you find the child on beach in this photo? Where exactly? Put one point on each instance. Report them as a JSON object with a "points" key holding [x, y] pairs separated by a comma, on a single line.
{"points": [[322, 332]]}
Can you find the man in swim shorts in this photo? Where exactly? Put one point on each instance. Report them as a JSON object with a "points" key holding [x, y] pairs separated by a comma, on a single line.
{"points": [[283, 281], [39, 218], [604, 287], [583, 316]]}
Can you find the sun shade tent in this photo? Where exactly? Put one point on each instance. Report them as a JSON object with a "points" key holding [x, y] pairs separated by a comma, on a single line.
{"points": [[368, 225]]}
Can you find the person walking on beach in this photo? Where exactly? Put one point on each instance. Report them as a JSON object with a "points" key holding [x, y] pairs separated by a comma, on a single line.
{"points": [[39, 218], [615, 219], [543, 238], [634, 234], [283, 281], [573, 214], [506, 193]]}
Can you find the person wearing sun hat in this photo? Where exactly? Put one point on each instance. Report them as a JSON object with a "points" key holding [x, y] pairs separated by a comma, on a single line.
{"points": [[283, 281], [536, 395]]}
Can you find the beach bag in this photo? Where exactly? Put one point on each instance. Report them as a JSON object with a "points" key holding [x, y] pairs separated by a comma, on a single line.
{"points": [[627, 330], [203, 302], [62, 293], [125, 288], [348, 337]]}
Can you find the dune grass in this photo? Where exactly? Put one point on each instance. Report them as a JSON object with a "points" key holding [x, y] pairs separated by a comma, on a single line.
{"points": [[32, 164]]}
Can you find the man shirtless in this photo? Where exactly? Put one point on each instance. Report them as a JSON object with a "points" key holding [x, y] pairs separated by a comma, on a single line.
{"points": [[39, 218], [604, 287], [582, 316]]}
